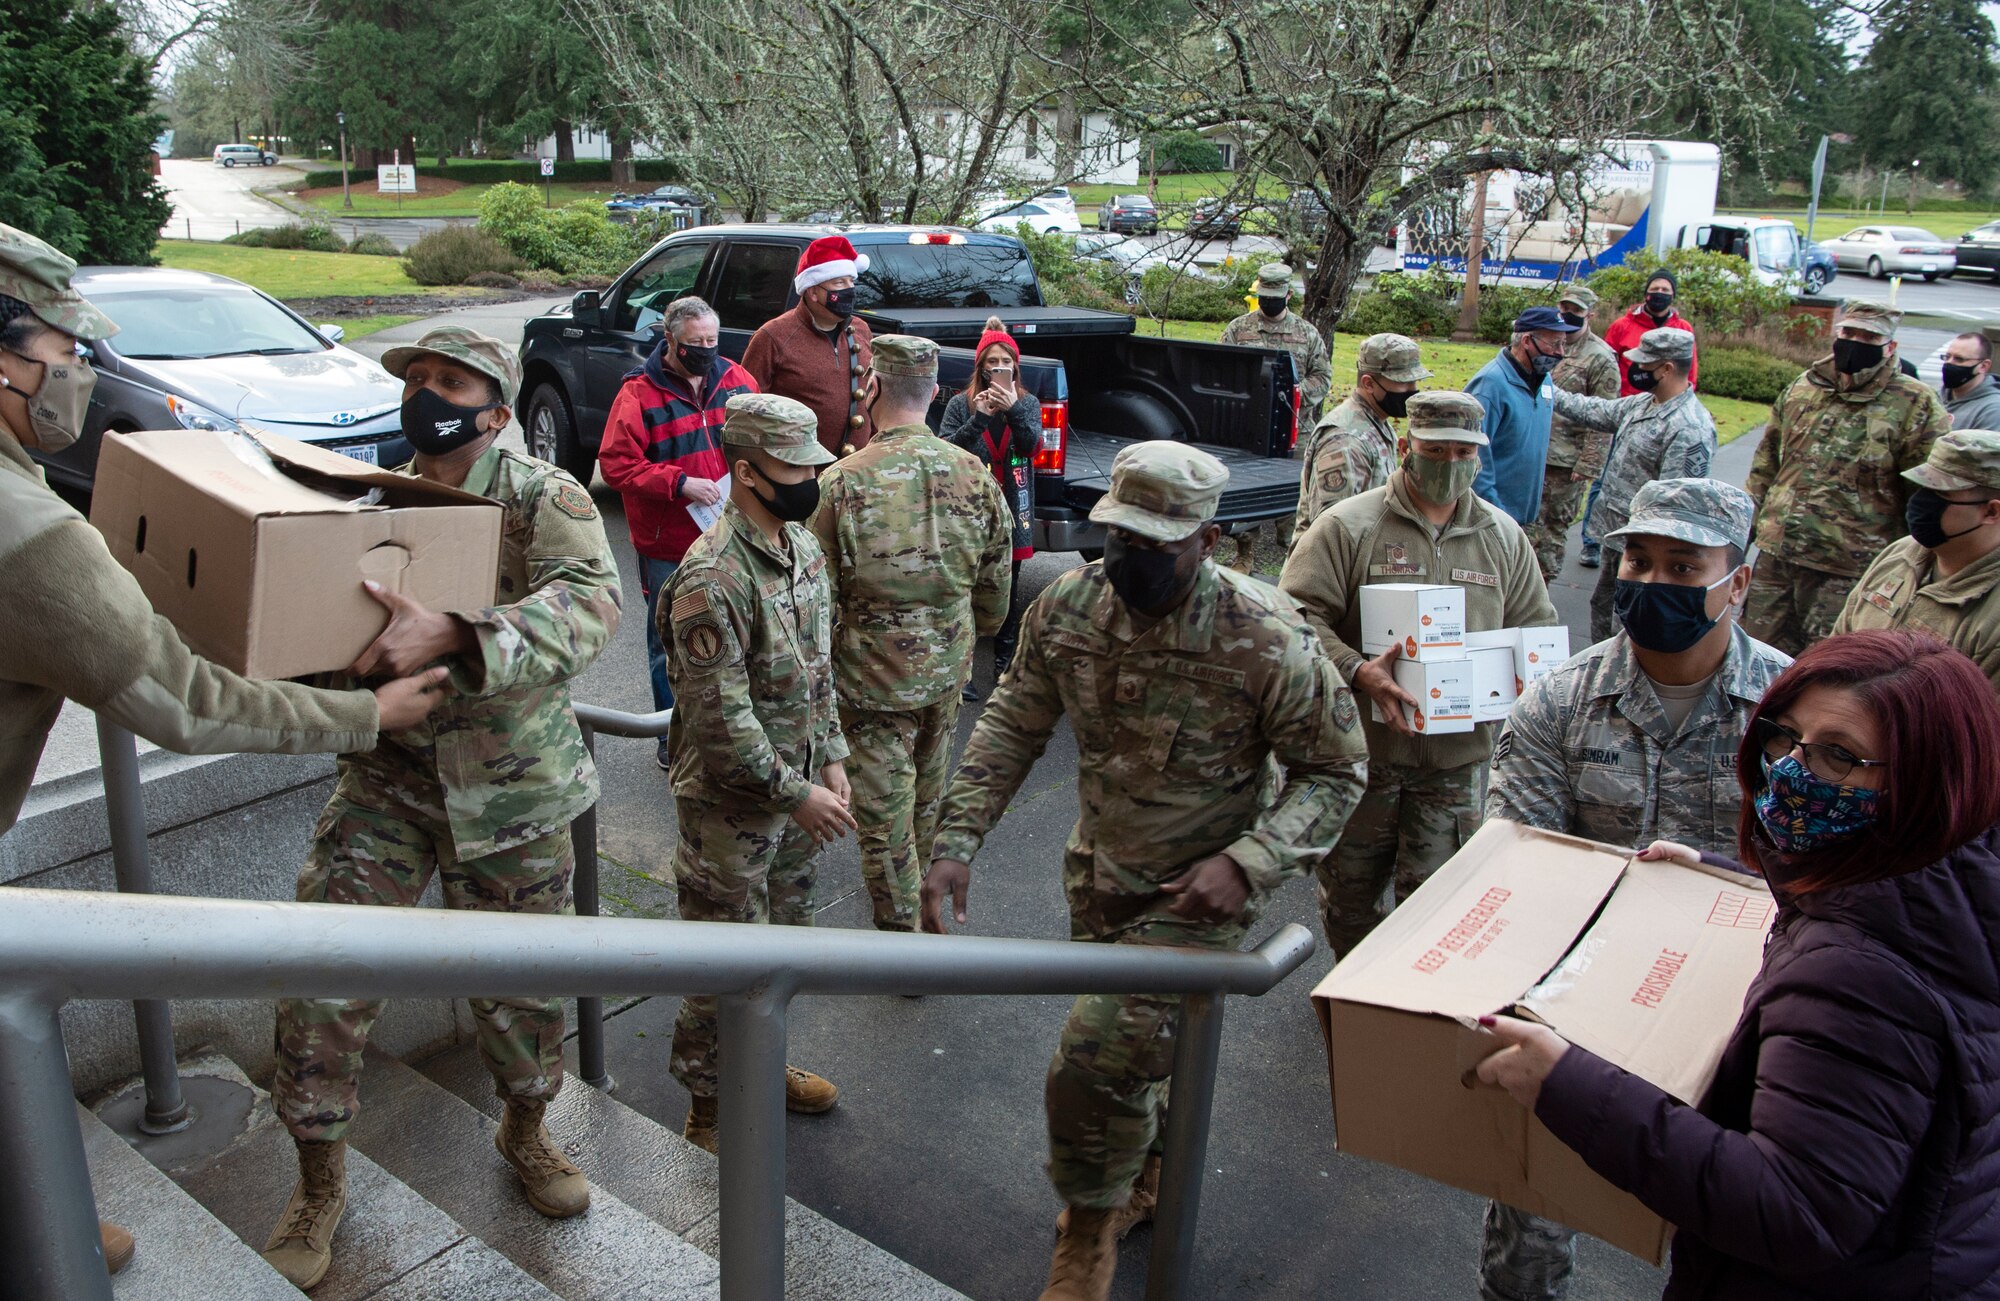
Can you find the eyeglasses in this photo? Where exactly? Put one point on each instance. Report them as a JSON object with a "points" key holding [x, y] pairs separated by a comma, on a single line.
{"points": [[1827, 762]]}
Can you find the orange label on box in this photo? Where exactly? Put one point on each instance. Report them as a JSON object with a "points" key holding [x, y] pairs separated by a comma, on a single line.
{"points": [[1426, 621]]}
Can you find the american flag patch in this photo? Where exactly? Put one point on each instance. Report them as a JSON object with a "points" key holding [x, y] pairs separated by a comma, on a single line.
{"points": [[690, 603]]}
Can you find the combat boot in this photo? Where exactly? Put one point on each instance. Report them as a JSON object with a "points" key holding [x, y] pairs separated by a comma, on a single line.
{"points": [[118, 1246], [1086, 1257], [1138, 1209], [301, 1247], [808, 1094], [554, 1186], [700, 1129]]}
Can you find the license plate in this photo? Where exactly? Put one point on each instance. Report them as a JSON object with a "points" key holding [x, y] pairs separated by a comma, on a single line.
{"points": [[1930, 266], [360, 452]]}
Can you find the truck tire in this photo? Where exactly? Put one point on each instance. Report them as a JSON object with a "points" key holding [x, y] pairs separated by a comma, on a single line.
{"points": [[551, 435]]}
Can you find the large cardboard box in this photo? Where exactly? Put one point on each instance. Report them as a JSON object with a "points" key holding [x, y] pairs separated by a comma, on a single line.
{"points": [[1443, 691], [258, 557], [1644, 964], [1426, 619]]}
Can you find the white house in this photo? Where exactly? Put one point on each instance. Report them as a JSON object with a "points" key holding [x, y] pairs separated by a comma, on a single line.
{"points": [[592, 144], [1104, 155]]}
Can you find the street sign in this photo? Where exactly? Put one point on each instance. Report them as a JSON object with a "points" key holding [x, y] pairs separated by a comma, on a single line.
{"points": [[396, 178], [548, 167]]}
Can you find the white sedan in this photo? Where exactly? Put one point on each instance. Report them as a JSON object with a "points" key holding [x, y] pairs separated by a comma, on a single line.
{"points": [[1893, 251], [1003, 217]]}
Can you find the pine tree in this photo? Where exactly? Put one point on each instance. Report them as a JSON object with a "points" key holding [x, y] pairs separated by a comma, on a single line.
{"points": [[1924, 90]]}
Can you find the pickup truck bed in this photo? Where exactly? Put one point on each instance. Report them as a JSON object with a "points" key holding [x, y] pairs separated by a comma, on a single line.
{"points": [[1259, 486]]}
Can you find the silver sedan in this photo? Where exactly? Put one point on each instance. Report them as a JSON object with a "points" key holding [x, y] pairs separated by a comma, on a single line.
{"points": [[1893, 251]]}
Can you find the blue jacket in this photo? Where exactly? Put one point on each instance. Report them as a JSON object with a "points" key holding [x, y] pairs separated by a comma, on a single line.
{"points": [[1517, 422]]}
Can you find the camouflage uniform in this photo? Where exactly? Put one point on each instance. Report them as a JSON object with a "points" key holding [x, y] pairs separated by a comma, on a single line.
{"points": [[1424, 791], [1353, 448], [1674, 439], [1826, 479], [748, 629], [1181, 725], [1312, 370], [482, 792], [1576, 452], [1590, 751], [1903, 588], [920, 546]]}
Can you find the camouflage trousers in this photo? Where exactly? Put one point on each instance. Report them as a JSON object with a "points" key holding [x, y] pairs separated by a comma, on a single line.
{"points": [[1107, 1086], [1562, 502], [733, 864], [1791, 606], [1603, 597], [368, 856], [1246, 543], [897, 765], [1409, 821], [1524, 1257]]}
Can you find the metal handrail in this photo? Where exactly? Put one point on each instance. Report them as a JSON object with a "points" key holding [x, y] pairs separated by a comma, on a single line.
{"points": [[56, 945]]}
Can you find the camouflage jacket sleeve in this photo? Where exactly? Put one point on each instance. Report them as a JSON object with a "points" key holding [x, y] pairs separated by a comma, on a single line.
{"points": [[993, 587], [1600, 381], [570, 611], [1317, 576], [1011, 733], [1688, 452], [1764, 463], [712, 695], [1927, 420], [1529, 783], [1314, 728], [1318, 378], [1592, 413]]}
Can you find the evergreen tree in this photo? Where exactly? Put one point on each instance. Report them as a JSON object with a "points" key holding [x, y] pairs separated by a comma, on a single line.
{"points": [[1924, 90]]}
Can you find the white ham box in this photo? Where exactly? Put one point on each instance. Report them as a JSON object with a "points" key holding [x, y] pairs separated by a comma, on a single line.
{"points": [[1444, 695], [1426, 619], [1494, 686], [1537, 652]]}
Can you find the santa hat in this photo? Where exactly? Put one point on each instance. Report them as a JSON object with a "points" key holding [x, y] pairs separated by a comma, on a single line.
{"points": [[996, 332], [825, 259]]}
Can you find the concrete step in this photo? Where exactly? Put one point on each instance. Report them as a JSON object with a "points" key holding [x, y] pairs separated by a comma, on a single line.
{"points": [[239, 1163], [653, 1169], [443, 1148]]}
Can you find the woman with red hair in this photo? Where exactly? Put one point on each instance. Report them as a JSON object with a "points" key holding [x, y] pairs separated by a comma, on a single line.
{"points": [[1850, 1144], [1001, 424]]}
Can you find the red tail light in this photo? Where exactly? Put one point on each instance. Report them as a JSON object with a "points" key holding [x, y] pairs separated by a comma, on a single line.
{"points": [[1297, 398], [1054, 451]]}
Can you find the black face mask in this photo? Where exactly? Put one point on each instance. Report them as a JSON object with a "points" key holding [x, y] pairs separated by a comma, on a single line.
{"points": [[1396, 405], [1957, 377], [1145, 579], [1640, 378], [437, 427], [792, 503], [1852, 356], [840, 302], [1924, 513], [696, 359], [1659, 306], [1272, 307], [1663, 617], [1573, 318]]}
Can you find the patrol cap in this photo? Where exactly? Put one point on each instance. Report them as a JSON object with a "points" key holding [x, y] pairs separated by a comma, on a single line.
{"points": [[1446, 416], [37, 274], [1878, 319], [1161, 490], [469, 348], [1543, 318], [1663, 345], [781, 427], [905, 354], [1706, 512], [1961, 459], [1394, 357], [1579, 293], [1273, 279]]}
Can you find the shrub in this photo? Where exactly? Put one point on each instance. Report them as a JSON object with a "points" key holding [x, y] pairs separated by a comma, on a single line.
{"points": [[1716, 292], [1745, 373], [1417, 303], [492, 280], [653, 171], [373, 245], [1071, 281], [1183, 151], [576, 239], [1182, 293], [315, 238], [451, 255]]}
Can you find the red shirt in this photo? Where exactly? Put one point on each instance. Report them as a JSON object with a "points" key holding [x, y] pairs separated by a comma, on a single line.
{"points": [[659, 433], [1625, 333]]}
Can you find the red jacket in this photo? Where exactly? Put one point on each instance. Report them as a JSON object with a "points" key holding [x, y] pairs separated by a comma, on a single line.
{"points": [[1625, 332], [656, 436]]}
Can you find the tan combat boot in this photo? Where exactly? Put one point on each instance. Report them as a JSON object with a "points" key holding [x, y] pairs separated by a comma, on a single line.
{"points": [[1137, 1210], [702, 1120], [118, 1246], [1086, 1257], [808, 1094], [301, 1247], [554, 1186]]}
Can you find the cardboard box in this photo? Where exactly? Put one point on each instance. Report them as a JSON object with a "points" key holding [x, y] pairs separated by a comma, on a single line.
{"points": [[1644, 964], [1538, 652], [1426, 619], [1444, 696], [1494, 686], [258, 560]]}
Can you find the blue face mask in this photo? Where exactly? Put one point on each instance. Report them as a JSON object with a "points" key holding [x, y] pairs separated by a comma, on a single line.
{"points": [[1801, 812]]}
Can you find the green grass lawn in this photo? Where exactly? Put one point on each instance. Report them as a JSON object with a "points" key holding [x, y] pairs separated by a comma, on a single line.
{"points": [[1453, 364], [284, 273], [462, 202], [360, 327], [1947, 226]]}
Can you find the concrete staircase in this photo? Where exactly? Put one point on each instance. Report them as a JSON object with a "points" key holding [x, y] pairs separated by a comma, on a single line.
{"points": [[434, 1213]]}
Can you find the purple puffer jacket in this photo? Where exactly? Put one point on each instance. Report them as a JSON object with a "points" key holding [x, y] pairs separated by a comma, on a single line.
{"points": [[1850, 1145]]}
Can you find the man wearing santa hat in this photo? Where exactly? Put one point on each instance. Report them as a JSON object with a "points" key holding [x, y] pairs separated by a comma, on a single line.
{"points": [[817, 352]]}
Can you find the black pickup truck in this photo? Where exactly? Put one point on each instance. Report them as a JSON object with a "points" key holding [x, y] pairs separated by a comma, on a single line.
{"points": [[1101, 385]]}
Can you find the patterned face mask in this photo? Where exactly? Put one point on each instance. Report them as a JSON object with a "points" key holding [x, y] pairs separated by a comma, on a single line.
{"points": [[1801, 812]]}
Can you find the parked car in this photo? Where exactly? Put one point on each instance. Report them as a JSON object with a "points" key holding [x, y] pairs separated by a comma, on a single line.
{"points": [[1131, 214], [1817, 267], [248, 155], [1003, 217], [1132, 258], [1056, 196], [684, 206], [1776, 252], [1894, 250], [1305, 212], [1215, 219], [201, 351], [1979, 250]]}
